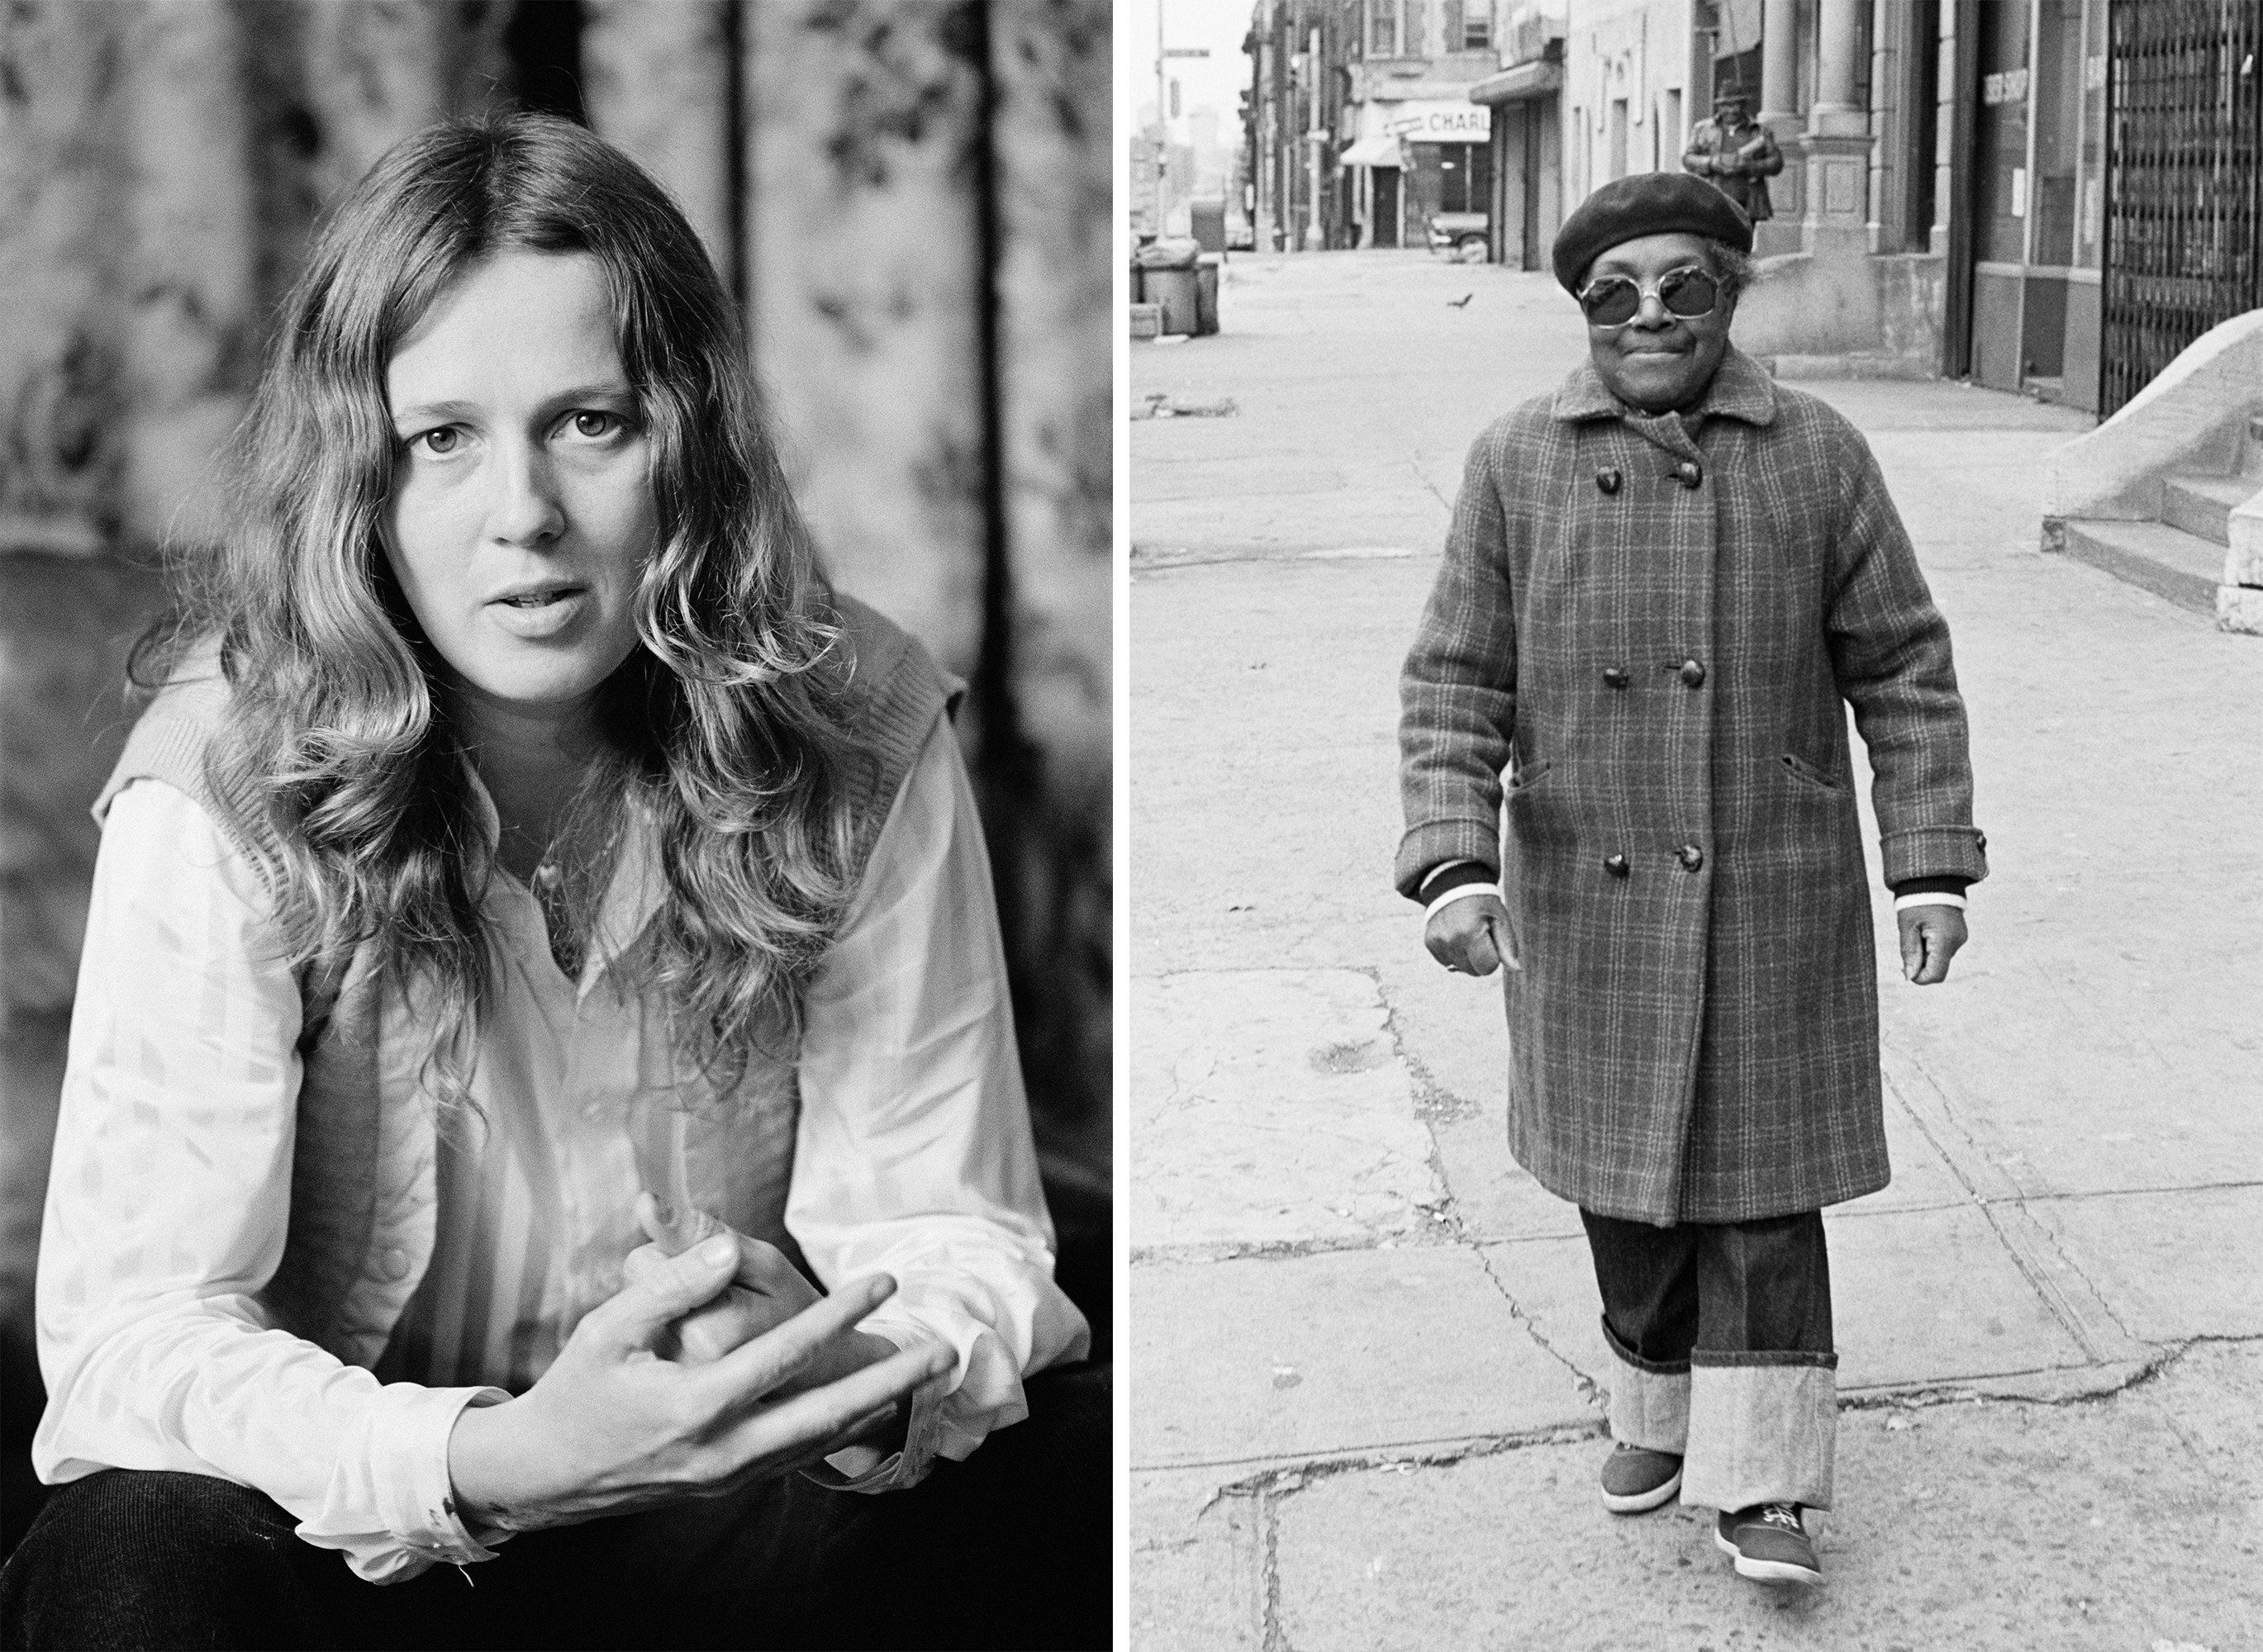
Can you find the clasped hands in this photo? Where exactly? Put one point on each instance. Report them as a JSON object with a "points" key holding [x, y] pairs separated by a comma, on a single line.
{"points": [[1470, 935], [715, 1366]]}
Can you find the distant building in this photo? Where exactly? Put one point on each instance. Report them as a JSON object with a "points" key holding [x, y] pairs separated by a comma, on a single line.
{"points": [[1362, 106], [1526, 126]]}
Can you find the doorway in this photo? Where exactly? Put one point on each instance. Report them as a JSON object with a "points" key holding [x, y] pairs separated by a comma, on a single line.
{"points": [[1385, 208]]}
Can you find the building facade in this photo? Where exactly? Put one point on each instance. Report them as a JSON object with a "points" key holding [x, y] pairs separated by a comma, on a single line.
{"points": [[1358, 126], [1527, 135], [2045, 196]]}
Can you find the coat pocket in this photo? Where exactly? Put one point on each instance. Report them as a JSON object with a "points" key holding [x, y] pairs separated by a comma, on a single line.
{"points": [[1526, 776], [1799, 768]]}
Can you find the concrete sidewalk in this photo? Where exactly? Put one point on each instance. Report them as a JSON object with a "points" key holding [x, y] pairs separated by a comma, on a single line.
{"points": [[1364, 1343]]}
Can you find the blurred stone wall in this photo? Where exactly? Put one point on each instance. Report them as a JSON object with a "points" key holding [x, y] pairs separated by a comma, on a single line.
{"points": [[911, 197]]}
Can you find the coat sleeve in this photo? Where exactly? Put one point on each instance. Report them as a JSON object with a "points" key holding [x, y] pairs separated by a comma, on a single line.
{"points": [[1457, 692], [1889, 651], [1698, 157]]}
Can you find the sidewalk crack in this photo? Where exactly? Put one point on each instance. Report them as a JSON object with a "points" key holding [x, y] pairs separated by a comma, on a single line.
{"points": [[1447, 1216], [1272, 1636], [1589, 1391]]}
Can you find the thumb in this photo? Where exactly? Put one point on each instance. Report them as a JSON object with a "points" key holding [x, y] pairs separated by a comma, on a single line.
{"points": [[1912, 939], [671, 1288], [1503, 942]]}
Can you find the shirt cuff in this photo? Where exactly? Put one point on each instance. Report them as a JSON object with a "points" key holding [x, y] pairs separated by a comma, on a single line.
{"points": [[868, 1469], [1451, 879], [416, 1498], [1929, 898], [1455, 894]]}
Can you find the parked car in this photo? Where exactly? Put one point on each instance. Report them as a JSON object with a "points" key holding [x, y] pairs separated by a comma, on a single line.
{"points": [[1464, 236]]}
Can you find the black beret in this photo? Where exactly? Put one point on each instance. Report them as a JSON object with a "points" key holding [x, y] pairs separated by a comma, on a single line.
{"points": [[1646, 204]]}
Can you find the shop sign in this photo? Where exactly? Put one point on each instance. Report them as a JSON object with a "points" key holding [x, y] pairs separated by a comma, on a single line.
{"points": [[2009, 86], [1438, 122]]}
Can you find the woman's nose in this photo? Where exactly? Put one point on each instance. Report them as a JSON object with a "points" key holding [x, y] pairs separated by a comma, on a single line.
{"points": [[1652, 312], [522, 505]]}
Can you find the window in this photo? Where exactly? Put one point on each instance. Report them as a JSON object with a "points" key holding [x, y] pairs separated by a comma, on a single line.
{"points": [[1477, 30], [1383, 28]]}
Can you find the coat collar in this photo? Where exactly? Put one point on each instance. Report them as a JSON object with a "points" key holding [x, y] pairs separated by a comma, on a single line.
{"points": [[1740, 390]]}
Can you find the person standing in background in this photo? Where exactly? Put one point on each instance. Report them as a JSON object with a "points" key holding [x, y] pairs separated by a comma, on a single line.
{"points": [[1737, 154]]}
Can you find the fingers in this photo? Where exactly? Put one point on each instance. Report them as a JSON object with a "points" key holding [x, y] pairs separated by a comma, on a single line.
{"points": [[823, 1419], [1931, 937], [673, 1228], [670, 1288], [764, 1267], [782, 1353], [1471, 935], [1912, 939], [1504, 943]]}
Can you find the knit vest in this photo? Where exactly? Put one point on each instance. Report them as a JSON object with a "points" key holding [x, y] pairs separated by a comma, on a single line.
{"points": [[354, 1167]]}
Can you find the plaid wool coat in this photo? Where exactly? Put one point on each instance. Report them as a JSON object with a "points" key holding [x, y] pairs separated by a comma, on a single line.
{"points": [[1656, 620]]}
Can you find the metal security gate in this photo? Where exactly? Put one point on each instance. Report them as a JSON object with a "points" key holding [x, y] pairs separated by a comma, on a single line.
{"points": [[2183, 233]]}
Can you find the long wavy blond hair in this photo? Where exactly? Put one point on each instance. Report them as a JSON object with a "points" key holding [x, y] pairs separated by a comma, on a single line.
{"points": [[727, 722]]}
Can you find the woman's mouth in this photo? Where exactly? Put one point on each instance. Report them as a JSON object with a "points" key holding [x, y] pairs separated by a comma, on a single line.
{"points": [[541, 612]]}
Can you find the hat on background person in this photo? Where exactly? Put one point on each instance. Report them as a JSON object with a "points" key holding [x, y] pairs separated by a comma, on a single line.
{"points": [[1645, 204]]}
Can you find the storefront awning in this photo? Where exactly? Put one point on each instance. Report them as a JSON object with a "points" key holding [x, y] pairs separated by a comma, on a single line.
{"points": [[1380, 149], [1525, 80]]}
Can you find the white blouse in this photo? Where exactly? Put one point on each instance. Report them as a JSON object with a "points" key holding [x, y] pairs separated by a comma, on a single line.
{"points": [[168, 1201]]}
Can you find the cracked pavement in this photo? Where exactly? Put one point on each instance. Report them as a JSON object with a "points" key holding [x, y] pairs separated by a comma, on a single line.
{"points": [[1365, 1363]]}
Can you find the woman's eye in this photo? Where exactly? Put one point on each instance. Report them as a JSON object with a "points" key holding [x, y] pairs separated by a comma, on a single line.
{"points": [[439, 443], [594, 424]]}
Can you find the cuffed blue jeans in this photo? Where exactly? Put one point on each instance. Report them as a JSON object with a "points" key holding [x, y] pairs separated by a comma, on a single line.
{"points": [[1720, 1334], [1014, 1547]]}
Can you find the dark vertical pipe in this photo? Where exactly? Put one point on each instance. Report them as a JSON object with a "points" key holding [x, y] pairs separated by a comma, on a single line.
{"points": [[1005, 773], [544, 42], [1964, 109], [738, 129]]}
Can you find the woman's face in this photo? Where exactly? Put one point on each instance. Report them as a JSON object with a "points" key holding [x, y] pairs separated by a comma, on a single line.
{"points": [[1658, 361], [522, 510]]}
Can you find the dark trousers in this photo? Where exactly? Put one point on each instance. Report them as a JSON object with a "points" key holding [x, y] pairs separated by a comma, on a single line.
{"points": [[1721, 1333], [1013, 1548]]}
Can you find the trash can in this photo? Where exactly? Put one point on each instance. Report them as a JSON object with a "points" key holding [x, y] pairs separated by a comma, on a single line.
{"points": [[1167, 277], [1206, 269]]}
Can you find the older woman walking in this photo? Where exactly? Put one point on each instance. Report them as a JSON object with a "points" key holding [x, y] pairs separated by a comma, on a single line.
{"points": [[1662, 583]]}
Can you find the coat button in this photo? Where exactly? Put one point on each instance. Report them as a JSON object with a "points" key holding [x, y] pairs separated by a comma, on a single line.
{"points": [[1615, 865], [394, 1264], [1608, 480], [1691, 856], [1616, 676], [1693, 674], [1689, 472]]}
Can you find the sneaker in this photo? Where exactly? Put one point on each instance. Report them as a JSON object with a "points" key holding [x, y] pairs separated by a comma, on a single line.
{"points": [[1635, 1478], [1770, 1544]]}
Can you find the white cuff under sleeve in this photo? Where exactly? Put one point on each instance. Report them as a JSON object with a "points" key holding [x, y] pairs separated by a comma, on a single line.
{"points": [[1940, 898], [1456, 893]]}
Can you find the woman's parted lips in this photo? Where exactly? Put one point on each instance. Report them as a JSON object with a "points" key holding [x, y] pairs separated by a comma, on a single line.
{"points": [[535, 592]]}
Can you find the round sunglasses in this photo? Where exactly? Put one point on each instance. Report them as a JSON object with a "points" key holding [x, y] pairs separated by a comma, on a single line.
{"points": [[1613, 300]]}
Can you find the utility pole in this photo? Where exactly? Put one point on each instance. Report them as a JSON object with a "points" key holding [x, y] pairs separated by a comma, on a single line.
{"points": [[1162, 124], [1316, 135], [1284, 133]]}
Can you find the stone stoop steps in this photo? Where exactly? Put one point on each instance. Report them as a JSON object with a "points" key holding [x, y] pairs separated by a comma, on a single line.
{"points": [[2205, 553]]}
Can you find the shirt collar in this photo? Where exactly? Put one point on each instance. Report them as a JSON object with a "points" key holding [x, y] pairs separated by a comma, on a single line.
{"points": [[1740, 390], [633, 894]]}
